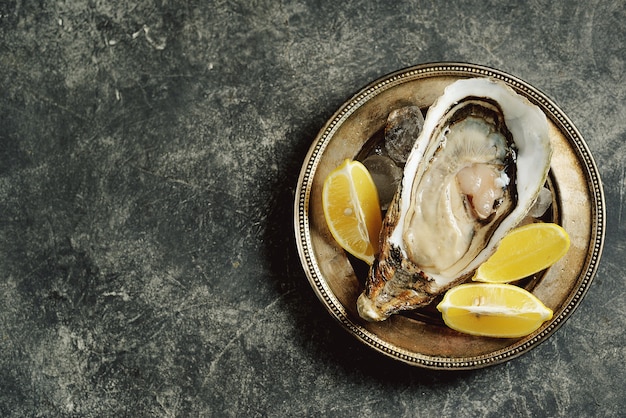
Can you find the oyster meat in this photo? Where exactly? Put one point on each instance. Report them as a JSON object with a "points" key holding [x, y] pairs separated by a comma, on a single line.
{"points": [[472, 175]]}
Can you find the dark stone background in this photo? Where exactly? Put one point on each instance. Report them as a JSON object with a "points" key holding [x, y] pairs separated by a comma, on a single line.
{"points": [[149, 153]]}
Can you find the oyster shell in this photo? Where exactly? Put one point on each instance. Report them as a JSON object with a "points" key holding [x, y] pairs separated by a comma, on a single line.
{"points": [[472, 175]]}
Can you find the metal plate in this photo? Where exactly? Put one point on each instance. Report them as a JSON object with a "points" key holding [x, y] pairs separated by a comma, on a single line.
{"points": [[420, 339]]}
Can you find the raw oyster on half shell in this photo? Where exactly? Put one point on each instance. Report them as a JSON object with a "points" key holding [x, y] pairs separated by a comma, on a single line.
{"points": [[473, 174]]}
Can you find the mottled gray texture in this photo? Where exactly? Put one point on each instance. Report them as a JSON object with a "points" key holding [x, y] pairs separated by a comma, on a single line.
{"points": [[148, 158]]}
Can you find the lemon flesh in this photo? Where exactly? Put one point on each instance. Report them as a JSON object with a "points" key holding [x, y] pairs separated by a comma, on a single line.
{"points": [[493, 310], [524, 251], [352, 209]]}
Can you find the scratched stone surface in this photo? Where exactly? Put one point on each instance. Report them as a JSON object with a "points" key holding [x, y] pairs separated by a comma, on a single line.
{"points": [[149, 154]]}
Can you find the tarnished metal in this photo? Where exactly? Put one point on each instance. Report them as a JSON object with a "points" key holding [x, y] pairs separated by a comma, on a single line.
{"points": [[420, 338]]}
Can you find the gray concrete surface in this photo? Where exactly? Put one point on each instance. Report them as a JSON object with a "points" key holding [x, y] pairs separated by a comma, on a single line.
{"points": [[149, 153]]}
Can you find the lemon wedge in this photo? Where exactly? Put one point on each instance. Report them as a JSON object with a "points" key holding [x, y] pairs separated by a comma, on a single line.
{"points": [[524, 251], [352, 209], [493, 310]]}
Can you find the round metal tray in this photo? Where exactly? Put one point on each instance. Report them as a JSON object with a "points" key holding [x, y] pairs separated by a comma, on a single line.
{"points": [[419, 338]]}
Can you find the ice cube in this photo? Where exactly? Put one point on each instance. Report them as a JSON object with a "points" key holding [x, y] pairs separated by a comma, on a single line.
{"points": [[402, 129], [386, 175]]}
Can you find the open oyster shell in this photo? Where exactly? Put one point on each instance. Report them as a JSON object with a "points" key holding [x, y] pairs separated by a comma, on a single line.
{"points": [[472, 175]]}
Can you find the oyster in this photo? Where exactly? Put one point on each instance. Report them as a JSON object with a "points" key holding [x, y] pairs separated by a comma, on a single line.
{"points": [[472, 175]]}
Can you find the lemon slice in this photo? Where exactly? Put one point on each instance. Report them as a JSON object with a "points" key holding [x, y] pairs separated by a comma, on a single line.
{"points": [[493, 310], [352, 209], [524, 251]]}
